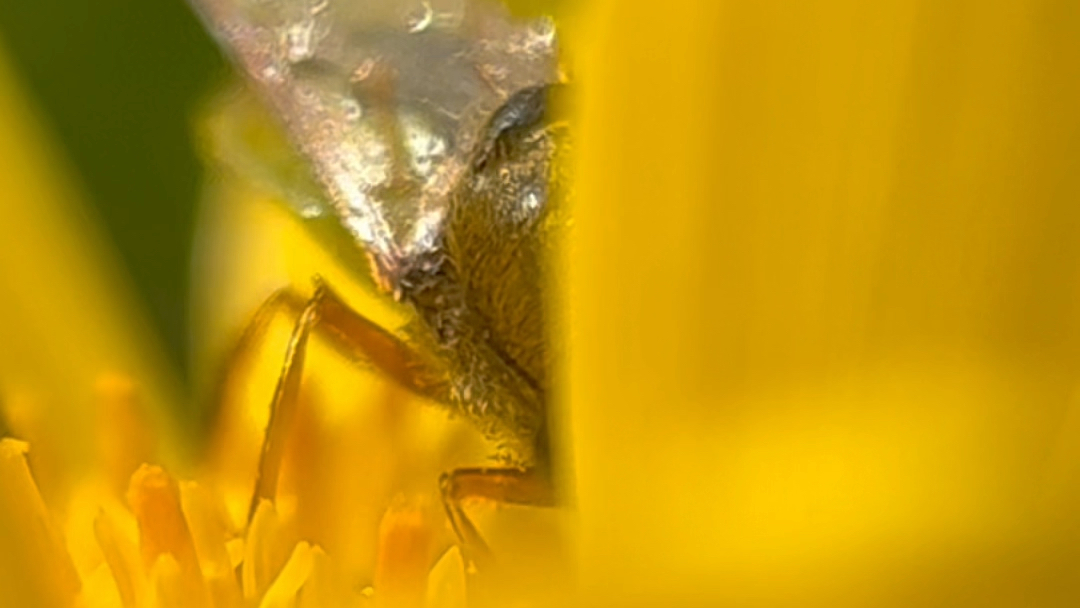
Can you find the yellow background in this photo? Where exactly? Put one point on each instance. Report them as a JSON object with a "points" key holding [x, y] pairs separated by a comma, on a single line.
{"points": [[824, 303]]}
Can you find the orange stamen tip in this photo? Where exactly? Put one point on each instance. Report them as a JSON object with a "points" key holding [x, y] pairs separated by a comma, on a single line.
{"points": [[406, 540], [154, 498]]}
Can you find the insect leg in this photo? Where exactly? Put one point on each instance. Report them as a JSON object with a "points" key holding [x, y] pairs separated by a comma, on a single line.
{"points": [[283, 405], [286, 300], [505, 485], [348, 332]]}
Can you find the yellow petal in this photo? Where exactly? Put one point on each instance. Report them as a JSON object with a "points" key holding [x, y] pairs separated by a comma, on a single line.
{"points": [[35, 569], [283, 592], [206, 518], [67, 317], [324, 586], [169, 585], [266, 550], [824, 301], [446, 583], [100, 590], [119, 546]]}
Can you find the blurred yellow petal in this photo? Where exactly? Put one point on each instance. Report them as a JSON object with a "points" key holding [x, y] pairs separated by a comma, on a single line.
{"points": [[266, 551], [206, 518], [100, 591], [67, 318], [121, 554], [323, 586], [824, 302], [169, 585], [36, 569], [446, 586], [286, 586]]}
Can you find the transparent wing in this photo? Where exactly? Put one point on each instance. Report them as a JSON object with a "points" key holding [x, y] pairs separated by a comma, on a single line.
{"points": [[388, 99]]}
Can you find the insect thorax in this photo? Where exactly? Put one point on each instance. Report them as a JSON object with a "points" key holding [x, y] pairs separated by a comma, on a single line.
{"points": [[480, 292]]}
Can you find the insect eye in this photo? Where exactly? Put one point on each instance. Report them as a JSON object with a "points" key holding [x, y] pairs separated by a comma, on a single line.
{"points": [[525, 110]]}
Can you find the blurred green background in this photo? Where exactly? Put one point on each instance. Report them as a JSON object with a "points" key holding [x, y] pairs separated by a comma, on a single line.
{"points": [[118, 82]]}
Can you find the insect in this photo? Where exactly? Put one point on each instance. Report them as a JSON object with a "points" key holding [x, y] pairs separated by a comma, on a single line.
{"points": [[429, 127]]}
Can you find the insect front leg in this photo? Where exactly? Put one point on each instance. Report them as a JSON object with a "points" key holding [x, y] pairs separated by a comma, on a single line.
{"points": [[284, 403], [347, 332]]}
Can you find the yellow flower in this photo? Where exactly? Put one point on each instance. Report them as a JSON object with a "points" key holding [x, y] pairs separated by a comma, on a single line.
{"points": [[823, 323]]}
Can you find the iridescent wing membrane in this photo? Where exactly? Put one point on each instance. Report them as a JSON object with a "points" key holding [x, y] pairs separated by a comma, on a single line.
{"points": [[387, 99]]}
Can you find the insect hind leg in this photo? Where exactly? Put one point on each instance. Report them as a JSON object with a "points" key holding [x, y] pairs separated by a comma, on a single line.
{"points": [[505, 485]]}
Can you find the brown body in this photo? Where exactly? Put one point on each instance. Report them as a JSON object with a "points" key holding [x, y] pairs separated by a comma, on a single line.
{"points": [[480, 294]]}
